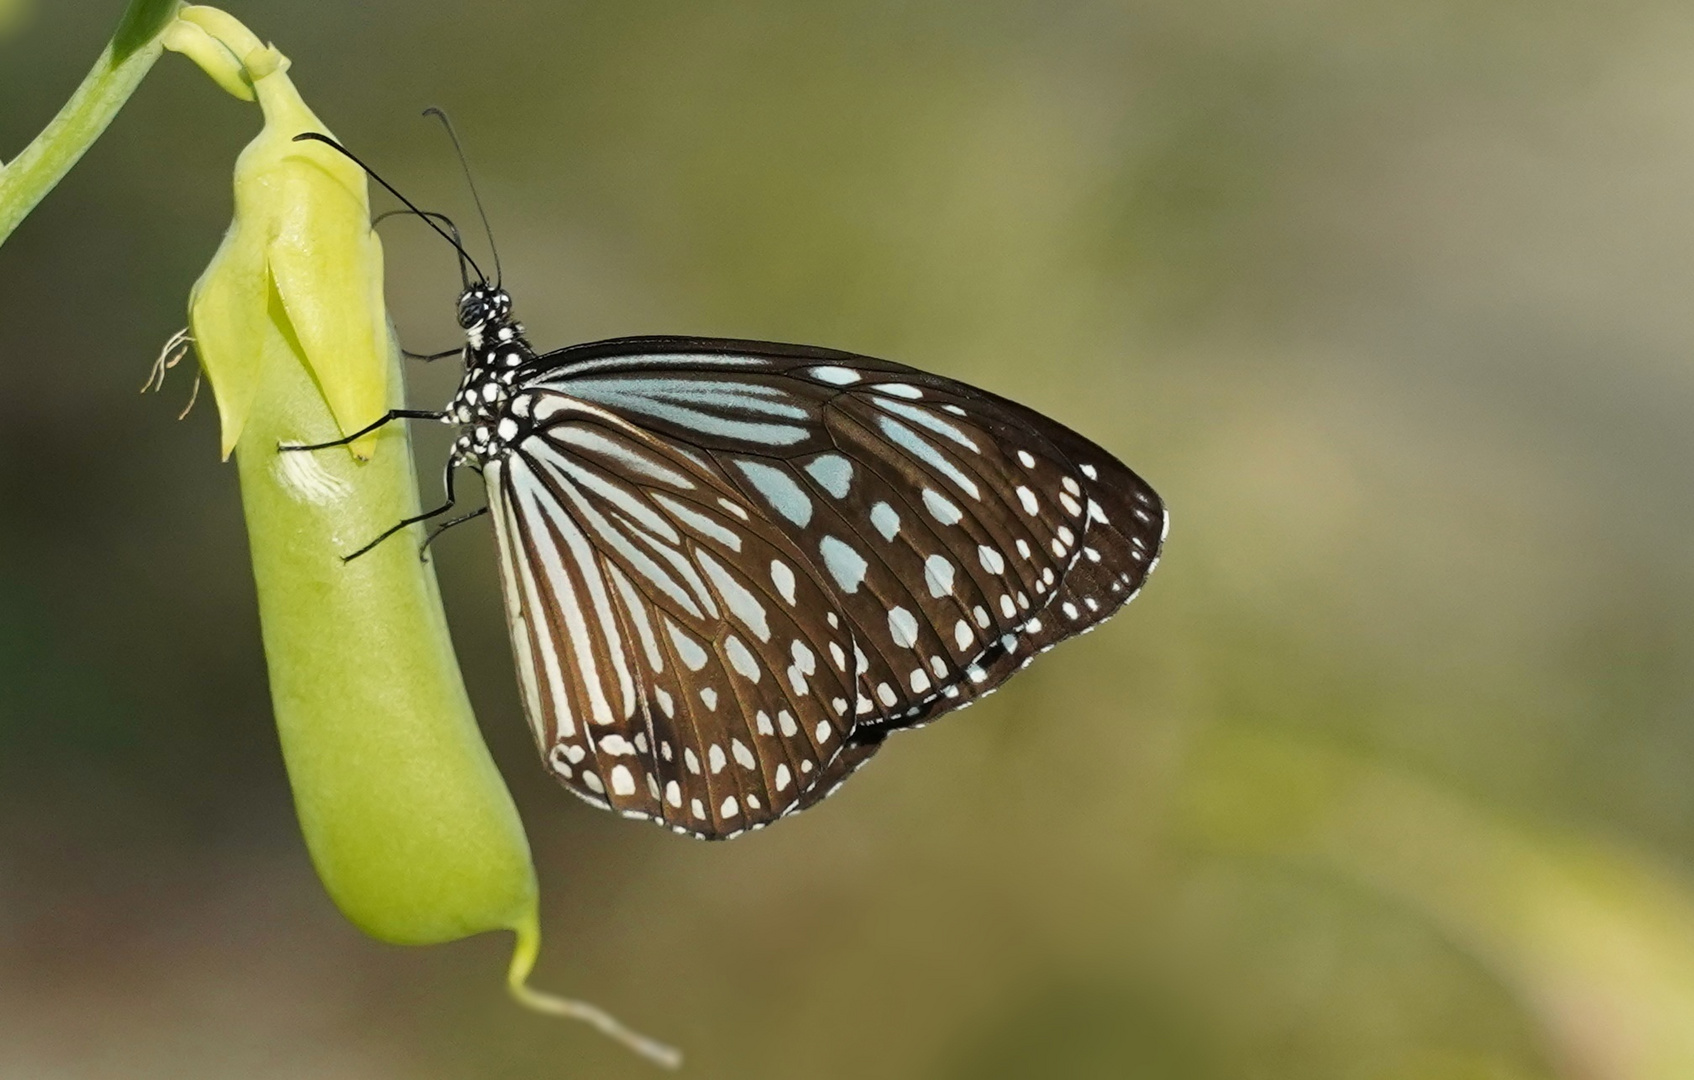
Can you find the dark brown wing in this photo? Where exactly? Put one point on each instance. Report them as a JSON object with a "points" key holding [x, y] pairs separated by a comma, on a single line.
{"points": [[728, 561]]}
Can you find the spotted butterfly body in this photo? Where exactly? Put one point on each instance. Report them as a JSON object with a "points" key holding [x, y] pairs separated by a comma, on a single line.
{"points": [[732, 568]]}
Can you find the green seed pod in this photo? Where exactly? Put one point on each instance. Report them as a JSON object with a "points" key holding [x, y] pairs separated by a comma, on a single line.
{"points": [[406, 818]]}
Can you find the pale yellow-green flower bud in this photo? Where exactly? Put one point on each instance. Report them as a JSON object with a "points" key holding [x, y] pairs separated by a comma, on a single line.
{"points": [[300, 257]]}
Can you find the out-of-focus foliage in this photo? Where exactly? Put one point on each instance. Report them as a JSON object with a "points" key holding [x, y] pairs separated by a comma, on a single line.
{"points": [[1386, 776], [1597, 942], [12, 15]]}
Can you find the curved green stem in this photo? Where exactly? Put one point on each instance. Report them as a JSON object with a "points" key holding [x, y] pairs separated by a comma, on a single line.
{"points": [[27, 179], [528, 947]]}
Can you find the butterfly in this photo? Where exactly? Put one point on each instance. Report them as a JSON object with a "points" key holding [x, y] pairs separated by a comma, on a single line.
{"points": [[733, 568]]}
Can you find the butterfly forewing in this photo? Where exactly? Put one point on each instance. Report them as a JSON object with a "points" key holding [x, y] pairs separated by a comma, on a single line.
{"points": [[734, 567]]}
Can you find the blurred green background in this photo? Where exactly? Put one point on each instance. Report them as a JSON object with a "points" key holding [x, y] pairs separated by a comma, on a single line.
{"points": [[1388, 775]]}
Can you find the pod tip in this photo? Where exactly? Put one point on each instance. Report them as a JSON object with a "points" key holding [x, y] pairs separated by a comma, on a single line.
{"points": [[524, 952]]}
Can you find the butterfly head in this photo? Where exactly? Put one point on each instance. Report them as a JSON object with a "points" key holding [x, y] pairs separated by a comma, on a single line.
{"points": [[483, 307]]}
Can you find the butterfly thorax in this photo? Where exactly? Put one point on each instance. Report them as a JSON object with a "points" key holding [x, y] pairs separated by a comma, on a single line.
{"points": [[494, 352]]}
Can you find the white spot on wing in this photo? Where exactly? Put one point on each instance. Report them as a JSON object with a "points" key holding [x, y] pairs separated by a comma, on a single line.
{"points": [[921, 448], [844, 564], [887, 522], [833, 473], [623, 783], [942, 510], [903, 626], [835, 376], [743, 756], [742, 603], [688, 650], [923, 418], [741, 658], [804, 658], [781, 490], [783, 578], [938, 573]]}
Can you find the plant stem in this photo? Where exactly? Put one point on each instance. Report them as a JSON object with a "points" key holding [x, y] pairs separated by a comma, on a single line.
{"points": [[27, 179]]}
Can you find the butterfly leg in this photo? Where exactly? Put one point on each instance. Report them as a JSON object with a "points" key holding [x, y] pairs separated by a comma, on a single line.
{"points": [[452, 463], [387, 418], [445, 525], [427, 357]]}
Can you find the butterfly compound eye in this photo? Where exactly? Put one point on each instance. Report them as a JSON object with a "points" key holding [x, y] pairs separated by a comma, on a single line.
{"points": [[471, 308]]}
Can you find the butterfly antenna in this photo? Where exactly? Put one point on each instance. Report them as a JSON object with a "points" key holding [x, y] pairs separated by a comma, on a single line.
{"points": [[431, 215], [465, 256], [434, 215], [459, 149]]}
